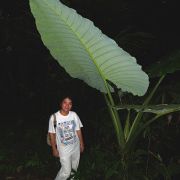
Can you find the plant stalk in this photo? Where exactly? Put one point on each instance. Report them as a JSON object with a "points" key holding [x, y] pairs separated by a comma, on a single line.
{"points": [[115, 117], [140, 114]]}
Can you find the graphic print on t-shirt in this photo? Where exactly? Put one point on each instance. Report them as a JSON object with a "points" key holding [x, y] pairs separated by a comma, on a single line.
{"points": [[66, 130]]}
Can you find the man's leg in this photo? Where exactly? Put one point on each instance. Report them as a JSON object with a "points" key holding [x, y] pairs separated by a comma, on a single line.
{"points": [[65, 170], [75, 159]]}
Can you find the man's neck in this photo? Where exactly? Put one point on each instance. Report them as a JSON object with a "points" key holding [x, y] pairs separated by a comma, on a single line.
{"points": [[64, 113]]}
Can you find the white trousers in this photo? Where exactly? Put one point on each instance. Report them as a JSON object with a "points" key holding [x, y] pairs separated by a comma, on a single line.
{"points": [[67, 164]]}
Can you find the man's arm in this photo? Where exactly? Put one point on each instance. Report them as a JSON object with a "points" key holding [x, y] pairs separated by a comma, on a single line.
{"points": [[79, 133], [53, 144]]}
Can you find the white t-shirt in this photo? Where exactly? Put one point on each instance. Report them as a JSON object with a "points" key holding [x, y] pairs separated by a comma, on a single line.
{"points": [[66, 135]]}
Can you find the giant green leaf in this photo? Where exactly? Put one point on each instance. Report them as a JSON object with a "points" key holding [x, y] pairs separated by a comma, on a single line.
{"points": [[84, 51]]}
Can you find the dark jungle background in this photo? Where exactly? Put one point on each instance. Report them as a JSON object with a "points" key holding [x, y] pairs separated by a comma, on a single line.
{"points": [[32, 83]]}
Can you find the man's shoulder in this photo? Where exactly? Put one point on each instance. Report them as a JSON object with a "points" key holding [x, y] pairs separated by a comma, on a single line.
{"points": [[72, 113], [56, 113]]}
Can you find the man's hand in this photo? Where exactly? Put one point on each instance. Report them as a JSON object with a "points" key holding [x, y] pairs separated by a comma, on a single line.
{"points": [[79, 133], [81, 147], [55, 152], [53, 144]]}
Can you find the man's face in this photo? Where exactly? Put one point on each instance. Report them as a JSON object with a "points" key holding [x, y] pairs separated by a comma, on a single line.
{"points": [[66, 105]]}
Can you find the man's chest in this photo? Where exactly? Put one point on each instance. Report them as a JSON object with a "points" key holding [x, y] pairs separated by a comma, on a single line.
{"points": [[66, 125]]}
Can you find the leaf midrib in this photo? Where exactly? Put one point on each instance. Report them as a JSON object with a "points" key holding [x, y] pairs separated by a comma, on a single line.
{"points": [[81, 42]]}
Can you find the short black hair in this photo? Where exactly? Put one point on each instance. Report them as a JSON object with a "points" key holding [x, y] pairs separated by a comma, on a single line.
{"points": [[64, 97]]}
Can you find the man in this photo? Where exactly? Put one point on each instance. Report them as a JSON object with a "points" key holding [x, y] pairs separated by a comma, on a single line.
{"points": [[66, 138]]}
